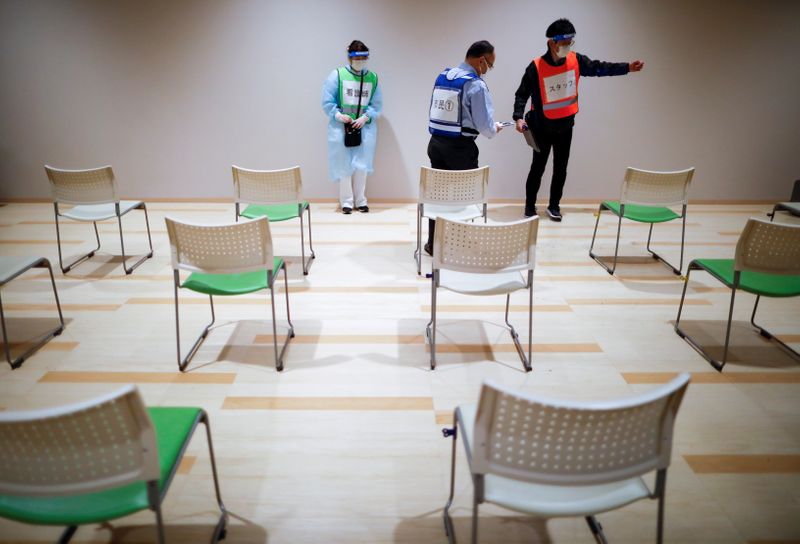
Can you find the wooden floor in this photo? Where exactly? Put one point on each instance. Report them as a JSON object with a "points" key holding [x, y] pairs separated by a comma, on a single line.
{"points": [[345, 445]]}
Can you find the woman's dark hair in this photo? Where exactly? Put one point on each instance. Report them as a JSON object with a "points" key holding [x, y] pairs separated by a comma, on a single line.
{"points": [[356, 46], [479, 49], [559, 27]]}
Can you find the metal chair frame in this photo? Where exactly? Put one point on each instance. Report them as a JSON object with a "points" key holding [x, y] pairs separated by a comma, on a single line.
{"points": [[17, 362]]}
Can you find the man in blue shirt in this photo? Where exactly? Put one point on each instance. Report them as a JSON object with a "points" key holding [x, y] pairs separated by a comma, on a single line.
{"points": [[461, 109]]}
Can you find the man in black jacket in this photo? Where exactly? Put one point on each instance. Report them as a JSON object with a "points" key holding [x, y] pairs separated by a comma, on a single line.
{"points": [[551, 83]]}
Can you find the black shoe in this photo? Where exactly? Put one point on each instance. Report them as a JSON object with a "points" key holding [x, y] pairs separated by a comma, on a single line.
{"points": [[531, 213], [554, 213], [347, 211], [363, 209], [428, 249]]}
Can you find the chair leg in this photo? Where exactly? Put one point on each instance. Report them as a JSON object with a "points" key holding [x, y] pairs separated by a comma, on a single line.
{"points": [[290, 334], [220, 531], [154, 497], [16, 363], [67, 535], [475, 505], [716, 364], [661, 486], [616, 248], [526, 361], [772, 215], [183, 363], [597, 530], [430, 329], [418, 251], [768, 335], [73, 264], [449, 530], [676, 271], [122, 241], [306, 264]]}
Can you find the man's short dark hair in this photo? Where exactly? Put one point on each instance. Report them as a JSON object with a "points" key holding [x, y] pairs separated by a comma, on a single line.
{"points": [[557, 28], [479, 49]]}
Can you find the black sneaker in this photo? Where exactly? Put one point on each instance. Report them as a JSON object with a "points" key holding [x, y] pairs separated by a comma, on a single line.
{"points": [[554, 214], [363, 209], [531, 213], [347, 211], [428, 248]]}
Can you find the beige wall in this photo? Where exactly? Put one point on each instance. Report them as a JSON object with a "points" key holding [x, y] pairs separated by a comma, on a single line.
{"points": [[171, 93]]}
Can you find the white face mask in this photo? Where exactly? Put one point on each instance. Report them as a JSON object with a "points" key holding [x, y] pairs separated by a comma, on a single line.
{"points": [[563, 51], [358, 65]]}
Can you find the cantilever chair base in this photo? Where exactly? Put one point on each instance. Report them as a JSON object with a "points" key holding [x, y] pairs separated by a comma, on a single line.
{"points": [[620, 213], [708, 266], [183, 362], [11, 268], [117, 212]]}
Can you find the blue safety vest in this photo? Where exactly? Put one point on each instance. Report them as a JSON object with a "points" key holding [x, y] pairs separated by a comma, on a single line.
{"points": [[446, 101]]}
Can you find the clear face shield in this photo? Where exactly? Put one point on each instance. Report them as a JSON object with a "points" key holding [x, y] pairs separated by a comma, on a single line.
{"points": [[563, 44], [358, 60]]}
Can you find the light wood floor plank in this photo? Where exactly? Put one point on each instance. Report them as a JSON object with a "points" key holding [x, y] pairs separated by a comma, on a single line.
{"points": [[138, 377], [329, 403], [714, 377]]}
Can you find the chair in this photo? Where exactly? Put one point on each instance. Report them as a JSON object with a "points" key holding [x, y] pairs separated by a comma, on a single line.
{"points": [[766, 263], [277, 195], [646, 197], [459, 195], [552, 458], [226, 260], [485, 260], [94, 195], [793, 207], [10, 268], [95, 461]]}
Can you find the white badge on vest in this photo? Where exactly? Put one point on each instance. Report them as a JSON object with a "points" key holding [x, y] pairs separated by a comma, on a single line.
{"points": [[445, 105], [350, 92], [560, 86]]}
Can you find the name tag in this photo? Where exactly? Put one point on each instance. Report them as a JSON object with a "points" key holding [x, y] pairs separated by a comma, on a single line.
{"points": [[560, 87], [445, 105], [350, 93]]}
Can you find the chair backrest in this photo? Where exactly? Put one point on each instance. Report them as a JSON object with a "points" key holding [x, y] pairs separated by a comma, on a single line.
{"points": [[228, 248], [485, 249], [99, 444], [267, 186], [453, 187], [547, 441], [773, 248], [656, 188], [93, 186]]}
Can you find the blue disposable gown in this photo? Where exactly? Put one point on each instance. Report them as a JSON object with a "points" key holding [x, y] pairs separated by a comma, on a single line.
{"points": [[343, 161]]}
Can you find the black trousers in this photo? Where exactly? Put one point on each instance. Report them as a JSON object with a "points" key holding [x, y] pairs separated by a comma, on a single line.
{"points": [[451, 154], [560, 143]]}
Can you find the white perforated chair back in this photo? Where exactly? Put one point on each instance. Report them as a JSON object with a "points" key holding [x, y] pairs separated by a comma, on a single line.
{"points": [[94, 186], [91, 446], [228, 248], [656, 188], [773, 248], [485, 249], [267, 186], [574, 443], [453, 187]]}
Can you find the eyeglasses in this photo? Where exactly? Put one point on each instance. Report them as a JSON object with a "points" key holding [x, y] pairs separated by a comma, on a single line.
{"points": [[489, 64]]}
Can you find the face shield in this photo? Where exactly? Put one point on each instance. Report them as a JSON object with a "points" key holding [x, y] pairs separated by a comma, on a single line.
{"points": [[358, 60]]}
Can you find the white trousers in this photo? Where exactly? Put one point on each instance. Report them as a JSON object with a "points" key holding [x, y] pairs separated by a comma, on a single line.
{"points": [[350, 185]]}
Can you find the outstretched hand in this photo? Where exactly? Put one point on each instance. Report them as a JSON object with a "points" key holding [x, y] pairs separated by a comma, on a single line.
{"points": [[635, 66]]}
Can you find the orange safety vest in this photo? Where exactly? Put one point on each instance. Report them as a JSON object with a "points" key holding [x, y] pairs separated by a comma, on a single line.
{"points": [[559, 87]]}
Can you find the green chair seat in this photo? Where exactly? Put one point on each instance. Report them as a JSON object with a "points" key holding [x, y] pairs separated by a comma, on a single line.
{"points": [[277, 212], [757, 283], [173, 427], [642, 214], [230, 284]]}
